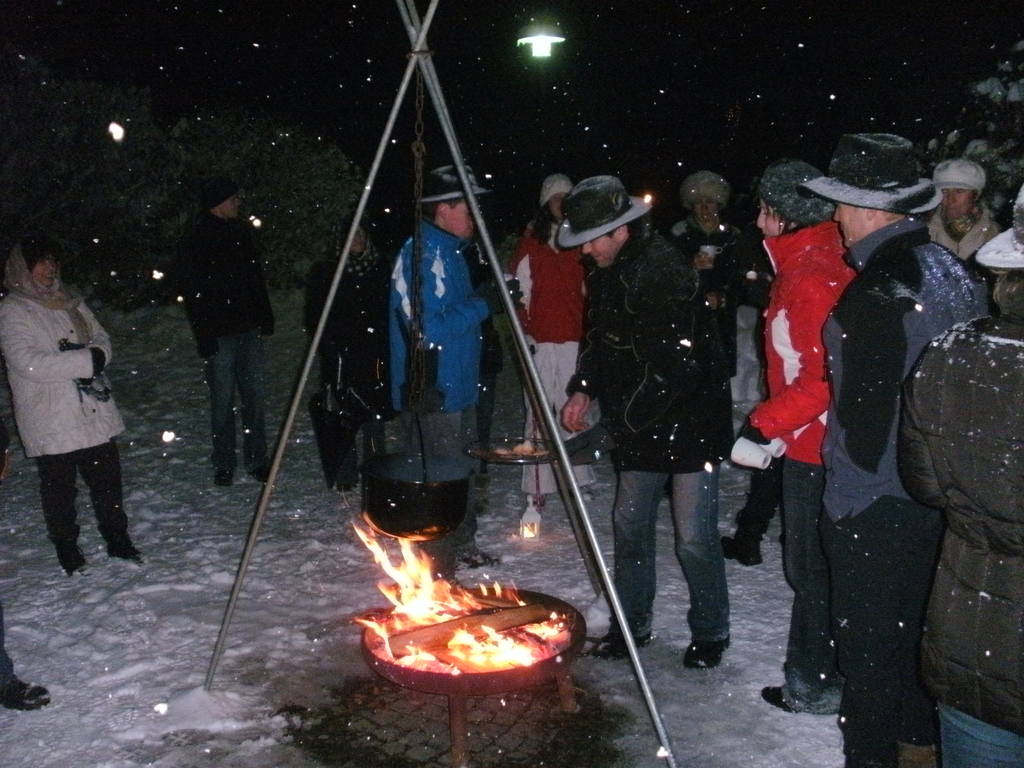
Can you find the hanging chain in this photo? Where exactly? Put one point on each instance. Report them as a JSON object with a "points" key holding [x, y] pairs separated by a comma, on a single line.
{"points": [[417, 370]]}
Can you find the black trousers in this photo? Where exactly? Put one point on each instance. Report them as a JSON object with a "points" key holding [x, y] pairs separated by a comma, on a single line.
{"points": [[764, 498], [100, 467], [882, 563]]}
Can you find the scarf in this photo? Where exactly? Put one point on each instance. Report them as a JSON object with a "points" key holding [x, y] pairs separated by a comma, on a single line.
{"points": [[18, 280], [959, 227], [359, 263]]}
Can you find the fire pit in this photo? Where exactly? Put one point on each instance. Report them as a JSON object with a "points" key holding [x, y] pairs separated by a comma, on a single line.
{"points": [[445, 640]]}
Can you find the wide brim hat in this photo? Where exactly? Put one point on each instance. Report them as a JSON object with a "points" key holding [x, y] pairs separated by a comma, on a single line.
{"points": [[875, 170], [594, 207], [1006, 250], [443, 184]]}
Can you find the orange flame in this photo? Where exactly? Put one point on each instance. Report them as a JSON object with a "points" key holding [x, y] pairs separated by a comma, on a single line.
{"points": [[420, 600]]}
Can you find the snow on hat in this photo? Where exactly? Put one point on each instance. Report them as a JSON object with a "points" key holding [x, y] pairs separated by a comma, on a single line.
{"points": [[959, 173], [1006, 250], [704, 184], [594, 207], [875, 170], [778, 190], [555, 184], [443, 184], [216, 190]]}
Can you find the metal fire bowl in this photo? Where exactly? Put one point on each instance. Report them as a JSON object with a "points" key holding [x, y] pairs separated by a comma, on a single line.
{"points": [[487, 683]]}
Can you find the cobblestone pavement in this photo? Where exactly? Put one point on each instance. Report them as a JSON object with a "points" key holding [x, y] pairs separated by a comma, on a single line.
{"points": [[376, 723]]}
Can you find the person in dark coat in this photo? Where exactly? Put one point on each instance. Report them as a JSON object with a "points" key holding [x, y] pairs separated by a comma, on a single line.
{"points": [[353, 349], [710, 243], [961, 451], [880, 543], [652, 360], [226, 301], [14, 693]]}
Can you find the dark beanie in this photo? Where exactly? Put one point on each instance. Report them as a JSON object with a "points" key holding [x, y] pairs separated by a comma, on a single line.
{"points": [[778, 190], [216, 190], [35, 248]]}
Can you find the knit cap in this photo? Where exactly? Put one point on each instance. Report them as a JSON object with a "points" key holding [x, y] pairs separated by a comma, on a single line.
{"points": [[778, 190]]}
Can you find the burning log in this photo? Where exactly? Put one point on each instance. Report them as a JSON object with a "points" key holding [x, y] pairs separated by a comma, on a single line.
{"points": [[436, 636]]}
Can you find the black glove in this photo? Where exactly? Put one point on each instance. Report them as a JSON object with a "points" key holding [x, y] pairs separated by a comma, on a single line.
{"points": [[753, 434], [512, 286], [99, 360], [67, 346], [207, 346]]}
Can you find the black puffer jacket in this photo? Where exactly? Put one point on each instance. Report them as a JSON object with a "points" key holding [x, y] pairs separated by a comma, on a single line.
{"points": [[221, 281], [962, 450], [652, 358]]}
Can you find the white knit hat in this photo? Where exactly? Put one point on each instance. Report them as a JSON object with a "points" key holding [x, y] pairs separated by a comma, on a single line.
{"points": [[1006, 250], [959, 173], [556, 183]]}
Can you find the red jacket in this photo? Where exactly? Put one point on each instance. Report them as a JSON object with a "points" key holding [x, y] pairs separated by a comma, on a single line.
{"points": [[552, 285], [810, 275]]}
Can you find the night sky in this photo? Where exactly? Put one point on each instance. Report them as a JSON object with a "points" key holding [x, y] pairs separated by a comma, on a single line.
{"points": [[647, 90]]}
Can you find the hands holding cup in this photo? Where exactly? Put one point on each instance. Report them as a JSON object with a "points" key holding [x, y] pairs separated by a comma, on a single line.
{"points": [[705, 258]]}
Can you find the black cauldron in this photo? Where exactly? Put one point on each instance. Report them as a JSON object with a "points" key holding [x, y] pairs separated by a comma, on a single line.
{"points": [[410, 496]]}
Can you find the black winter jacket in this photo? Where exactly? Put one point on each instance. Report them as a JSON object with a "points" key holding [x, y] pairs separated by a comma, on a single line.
{"points": [[962, 450], [354, 346], [221, 281], [652, 358], [907, 292]]}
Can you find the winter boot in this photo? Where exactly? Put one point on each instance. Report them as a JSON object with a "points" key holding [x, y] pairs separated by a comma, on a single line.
{"points": [[70, 556], [704, 654], [743, 550], [121, 546], [20, 695]]}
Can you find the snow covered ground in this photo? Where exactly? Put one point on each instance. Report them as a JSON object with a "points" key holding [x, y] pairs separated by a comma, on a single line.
{"points": [[124, 649]]}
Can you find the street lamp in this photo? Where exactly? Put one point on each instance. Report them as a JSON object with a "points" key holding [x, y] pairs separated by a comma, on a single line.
{"points": [[540, 38]]}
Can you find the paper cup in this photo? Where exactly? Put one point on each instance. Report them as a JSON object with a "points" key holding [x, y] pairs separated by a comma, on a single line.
{"points": [[747, 453]]}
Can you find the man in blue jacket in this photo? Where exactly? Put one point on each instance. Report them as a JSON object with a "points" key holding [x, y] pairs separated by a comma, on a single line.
{"points": [[882, 546], [450, 314]]}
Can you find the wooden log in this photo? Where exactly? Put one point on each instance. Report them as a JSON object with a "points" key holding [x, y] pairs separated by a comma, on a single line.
{"points": [[498, 619]]}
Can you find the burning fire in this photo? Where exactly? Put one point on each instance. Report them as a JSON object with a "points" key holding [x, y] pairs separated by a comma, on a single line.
{"points": [[436, 626]]}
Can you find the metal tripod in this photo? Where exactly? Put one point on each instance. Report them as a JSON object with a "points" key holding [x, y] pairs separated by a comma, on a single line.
{"points": [[421, 57]]}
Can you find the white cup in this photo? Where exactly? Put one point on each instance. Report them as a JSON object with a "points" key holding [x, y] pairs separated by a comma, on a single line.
{"points": [[747, 453]]}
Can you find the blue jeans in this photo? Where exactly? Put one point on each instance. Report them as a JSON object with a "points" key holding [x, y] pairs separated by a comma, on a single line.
{"points": [[971, 743], [6, 665], [697, 547], [813, 683], [237, 364]]}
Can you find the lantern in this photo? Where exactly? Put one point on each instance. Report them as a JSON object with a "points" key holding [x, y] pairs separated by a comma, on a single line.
{"points": [[529, 523]]}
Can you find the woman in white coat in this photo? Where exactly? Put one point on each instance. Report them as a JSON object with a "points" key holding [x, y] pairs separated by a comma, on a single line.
{"points": [[55, 351]]}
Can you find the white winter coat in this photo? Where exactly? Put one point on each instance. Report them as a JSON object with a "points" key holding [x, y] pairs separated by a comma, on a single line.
{"points": [[52, 417]]}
